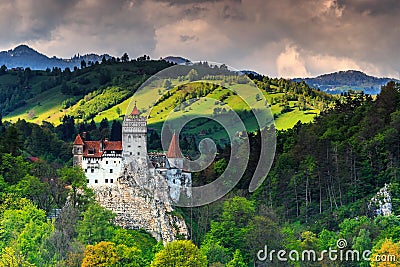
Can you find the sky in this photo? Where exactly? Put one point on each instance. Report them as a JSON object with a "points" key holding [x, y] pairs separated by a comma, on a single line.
{"points": [[278, 38]]}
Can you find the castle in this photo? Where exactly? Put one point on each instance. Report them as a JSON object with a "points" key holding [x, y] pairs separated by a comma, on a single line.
{"points": [[140, 187]]}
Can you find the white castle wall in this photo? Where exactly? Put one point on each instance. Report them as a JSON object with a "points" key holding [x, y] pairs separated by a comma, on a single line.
{"points": [[102, 171]]}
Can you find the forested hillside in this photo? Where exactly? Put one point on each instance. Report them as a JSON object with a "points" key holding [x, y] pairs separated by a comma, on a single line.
{"points": [[319, 189], [46, 95], [103, 90], [323, 178]]}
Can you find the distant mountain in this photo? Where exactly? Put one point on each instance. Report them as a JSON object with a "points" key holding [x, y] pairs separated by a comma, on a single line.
{"points": [[250, 72], [343, 81], [24, 56], [177, 60]]}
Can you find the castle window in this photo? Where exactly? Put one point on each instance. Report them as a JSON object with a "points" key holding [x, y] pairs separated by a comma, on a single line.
{"points": [[111, 170], [138, 153], [92, 170], [115, 161], [85, 170], [96, 181], [130, 153], [87, 180], [106, 161], [106, 180], [112, 181], [129, 145], [91, 151]]}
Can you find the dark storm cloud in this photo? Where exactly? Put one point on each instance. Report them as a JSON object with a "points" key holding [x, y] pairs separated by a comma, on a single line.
{"points": [[24, 20], [275, 37], [372, 7]]}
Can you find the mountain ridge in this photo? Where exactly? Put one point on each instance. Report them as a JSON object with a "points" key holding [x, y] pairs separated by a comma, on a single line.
{"points": [[343, 81], [23, 56]]}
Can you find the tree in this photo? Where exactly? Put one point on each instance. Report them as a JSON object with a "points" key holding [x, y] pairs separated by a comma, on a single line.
{"points": [[181, 253], [11, 258], [125, 57], [167, 84], [362, 243], [214, 252], [83, 64], [237, 260], [116, 131], [118, 110], [33, 188], [3, 69], [103, 254], [233, 227], [192, 75], [76, 178], [11, 141], [96, 225], [26, 228], [104, 129], [60, 244], [130, 256], [382, 251]]}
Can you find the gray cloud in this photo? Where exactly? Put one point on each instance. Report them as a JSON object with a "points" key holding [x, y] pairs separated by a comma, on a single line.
{"points": [[273, 37], [24, 20]]}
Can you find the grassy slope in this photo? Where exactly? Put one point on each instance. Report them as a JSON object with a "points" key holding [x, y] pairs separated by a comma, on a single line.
{"points": [[48, 105]]}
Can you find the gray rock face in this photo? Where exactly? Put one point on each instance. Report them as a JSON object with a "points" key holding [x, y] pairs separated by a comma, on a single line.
{"points": [[141, 201], [381, 203]]}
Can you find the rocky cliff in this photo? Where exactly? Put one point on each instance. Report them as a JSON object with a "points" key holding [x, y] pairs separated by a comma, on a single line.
{"points": [[140, 199]]}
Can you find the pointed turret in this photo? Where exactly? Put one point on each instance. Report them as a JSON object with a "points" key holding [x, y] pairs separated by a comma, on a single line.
{"points": [[174, 155], [135, 111], [134, 137], [173, 150], [77, 150], [78, 140]]}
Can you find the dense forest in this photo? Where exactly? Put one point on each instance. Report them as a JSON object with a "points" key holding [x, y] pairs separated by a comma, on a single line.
{"points": [[319, 190]]}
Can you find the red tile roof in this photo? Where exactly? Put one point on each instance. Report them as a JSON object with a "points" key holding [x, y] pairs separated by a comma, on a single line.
{"points": [[78, 140], [33, 159], [113, 145], [92, 148], [135, 111], [173, 150]]}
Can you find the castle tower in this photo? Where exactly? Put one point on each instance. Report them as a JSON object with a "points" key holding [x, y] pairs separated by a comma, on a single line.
{"points": [[134, 137], [174, 156], [77, 151]]}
